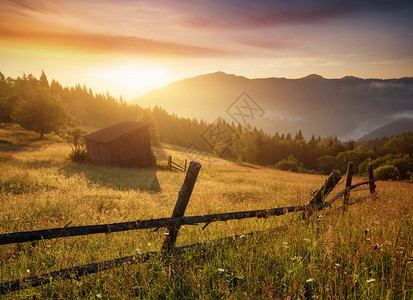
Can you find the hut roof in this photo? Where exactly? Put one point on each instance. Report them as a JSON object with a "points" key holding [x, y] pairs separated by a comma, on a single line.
{"points": [[108, 134]]}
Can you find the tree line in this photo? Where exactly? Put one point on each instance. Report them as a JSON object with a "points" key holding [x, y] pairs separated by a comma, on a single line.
{"points": [[45, 107]]}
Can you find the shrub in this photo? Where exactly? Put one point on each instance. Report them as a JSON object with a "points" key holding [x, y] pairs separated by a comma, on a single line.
{"points": [[74, 137], [386, 172], [403, 163], [288, 164]]}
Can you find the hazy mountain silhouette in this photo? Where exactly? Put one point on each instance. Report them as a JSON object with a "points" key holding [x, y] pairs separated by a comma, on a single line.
{"points": [[392, 129], [348, 107]]}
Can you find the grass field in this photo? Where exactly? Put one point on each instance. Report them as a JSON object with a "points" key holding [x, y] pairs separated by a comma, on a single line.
{"points": [[363, 253]]}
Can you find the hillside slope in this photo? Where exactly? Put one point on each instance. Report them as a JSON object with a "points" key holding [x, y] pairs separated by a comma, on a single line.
{"points": [[363, 252], [392, 129]]}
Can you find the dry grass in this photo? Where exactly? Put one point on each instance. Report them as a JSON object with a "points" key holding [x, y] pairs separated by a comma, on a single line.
{"points": [[328, 257]]}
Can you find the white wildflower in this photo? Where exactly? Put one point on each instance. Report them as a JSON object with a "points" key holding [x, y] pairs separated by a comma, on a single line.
{"points": [[371, 280], [220, 270], [99, 296], [28, 271], [138, 251], [310, 280]]}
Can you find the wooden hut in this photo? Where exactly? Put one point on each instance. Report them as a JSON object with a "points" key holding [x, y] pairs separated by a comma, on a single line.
{"points": [[126, 144]]}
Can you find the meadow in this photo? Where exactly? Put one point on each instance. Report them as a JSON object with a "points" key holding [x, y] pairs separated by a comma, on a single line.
{"points": [[364, 252]]}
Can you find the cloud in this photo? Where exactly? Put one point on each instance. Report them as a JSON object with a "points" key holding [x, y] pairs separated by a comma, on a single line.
{"points": [[65, 39], [407, 114], [265, 13]]}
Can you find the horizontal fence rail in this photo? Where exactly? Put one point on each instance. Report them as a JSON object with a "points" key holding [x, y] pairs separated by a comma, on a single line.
{"points": [[46, 234], [78, 271]]}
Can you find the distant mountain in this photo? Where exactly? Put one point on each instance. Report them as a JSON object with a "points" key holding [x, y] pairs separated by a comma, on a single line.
{"points": [[392, 129], [348, 107]]}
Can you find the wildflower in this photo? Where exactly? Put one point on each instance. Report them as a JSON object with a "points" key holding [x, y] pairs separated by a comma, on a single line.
{"points": [[310, 280], [371, 280], [149, 244], [242, 236], [138, 251], [336, 265], [99, 295], [220, 270], [28, 271]]}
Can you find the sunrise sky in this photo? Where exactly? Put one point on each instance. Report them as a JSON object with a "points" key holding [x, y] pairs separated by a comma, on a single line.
{"points": [[130, 47]]}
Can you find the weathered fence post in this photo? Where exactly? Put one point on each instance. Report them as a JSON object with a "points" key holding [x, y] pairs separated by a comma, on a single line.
{"points": [[182, 202], [185, 166], [169, 163], [328, 185], [372, 185], [348, 182]]}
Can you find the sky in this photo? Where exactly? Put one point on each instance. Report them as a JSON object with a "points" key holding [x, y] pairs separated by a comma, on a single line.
{"points": [[131, 47]]}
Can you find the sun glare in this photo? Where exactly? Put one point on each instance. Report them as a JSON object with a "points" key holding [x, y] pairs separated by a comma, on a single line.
{"points": [[133, 80]]}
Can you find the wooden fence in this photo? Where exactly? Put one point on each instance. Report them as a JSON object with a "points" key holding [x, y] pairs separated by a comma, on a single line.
{"points": [[174, 166], [173, 224]]}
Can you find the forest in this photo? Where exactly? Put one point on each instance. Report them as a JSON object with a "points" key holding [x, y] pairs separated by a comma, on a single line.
{"points": [[45, 107]]}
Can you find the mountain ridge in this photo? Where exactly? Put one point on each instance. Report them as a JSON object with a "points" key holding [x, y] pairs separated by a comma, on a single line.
{"points": [[348, 107]]}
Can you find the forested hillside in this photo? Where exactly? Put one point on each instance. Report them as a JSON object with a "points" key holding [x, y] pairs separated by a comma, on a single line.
{"points": [[47, 107]]}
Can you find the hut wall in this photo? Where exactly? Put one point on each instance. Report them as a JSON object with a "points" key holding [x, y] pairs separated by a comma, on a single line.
{"points": [[98, 152], [130, 150]]}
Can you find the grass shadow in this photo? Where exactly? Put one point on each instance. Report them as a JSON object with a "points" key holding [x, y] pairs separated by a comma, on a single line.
{"points": [[116, 178], [14, 139]]}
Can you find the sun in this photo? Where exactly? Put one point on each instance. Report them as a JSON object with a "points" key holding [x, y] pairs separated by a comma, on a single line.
{"points": [[132, 80]]}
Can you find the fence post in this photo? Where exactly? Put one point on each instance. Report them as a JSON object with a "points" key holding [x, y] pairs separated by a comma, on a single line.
{"points": [[169, 162], [348, 182], [185, 166], [372, 185], [328, 185], [182, 202]]}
